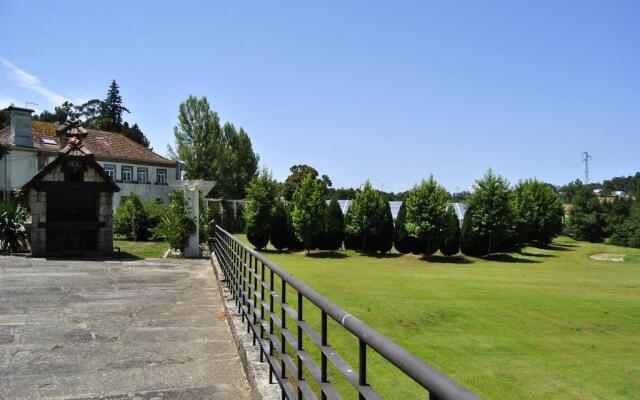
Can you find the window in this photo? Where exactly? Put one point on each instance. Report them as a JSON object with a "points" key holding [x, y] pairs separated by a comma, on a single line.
{"points": [[127, 174], [143, 175], [161, 175], [123, 200], [110, 169], [159, 200]]}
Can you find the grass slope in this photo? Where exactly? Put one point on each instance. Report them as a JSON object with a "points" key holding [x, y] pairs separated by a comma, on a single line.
{"points": [[543, 323]]}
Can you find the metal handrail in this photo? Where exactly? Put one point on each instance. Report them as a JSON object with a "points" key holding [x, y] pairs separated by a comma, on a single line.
{"points": [[229, 249]]}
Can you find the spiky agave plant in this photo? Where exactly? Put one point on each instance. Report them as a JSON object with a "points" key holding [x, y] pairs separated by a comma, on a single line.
{"points": [[13, 233]]}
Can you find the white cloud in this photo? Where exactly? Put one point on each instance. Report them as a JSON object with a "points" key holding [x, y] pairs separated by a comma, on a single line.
{"points": [[7, 101], [32, 82]]}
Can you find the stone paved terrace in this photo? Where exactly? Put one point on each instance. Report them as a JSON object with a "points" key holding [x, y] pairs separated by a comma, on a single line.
{"points": [[145, 329]]}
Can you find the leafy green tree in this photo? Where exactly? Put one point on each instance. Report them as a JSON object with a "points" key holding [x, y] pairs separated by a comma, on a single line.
{"points": [[198, 138], [307, 215], [401, 240], [426, 204], [616, 213], [365, 219], [537, 212], [627, 233], [261, 201], [134, 133], [294, 180], [586, 220], [280, 226], [450, 241], [488, 221], [241, 162], [177, 224], [333, 234]]}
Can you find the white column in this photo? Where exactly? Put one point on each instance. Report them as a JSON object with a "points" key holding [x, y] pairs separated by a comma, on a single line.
{"points": [[193, 196]]}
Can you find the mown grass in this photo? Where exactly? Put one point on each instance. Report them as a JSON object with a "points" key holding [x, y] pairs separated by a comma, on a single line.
{"points": [[542, 323], [133, 249]]}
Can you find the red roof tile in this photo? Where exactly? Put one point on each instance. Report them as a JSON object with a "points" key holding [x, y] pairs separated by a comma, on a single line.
{"points": [[105, 145]]}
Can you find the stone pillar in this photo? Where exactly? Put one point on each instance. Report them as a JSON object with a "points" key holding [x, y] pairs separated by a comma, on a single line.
{"points": [[38, 204], [105, 216]]}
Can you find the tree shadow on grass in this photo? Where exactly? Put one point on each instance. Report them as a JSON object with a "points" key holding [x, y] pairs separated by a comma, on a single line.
{"points": [[557, 246], [504, 257], [527, 254], [328, 254], [458, 259]]}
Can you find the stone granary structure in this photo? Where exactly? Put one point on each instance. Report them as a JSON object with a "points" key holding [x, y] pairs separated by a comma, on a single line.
{"points": [[71, 201]]}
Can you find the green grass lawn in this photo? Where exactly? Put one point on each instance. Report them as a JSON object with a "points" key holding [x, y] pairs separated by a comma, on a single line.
{"points": [[542, 323], [133, 249]]}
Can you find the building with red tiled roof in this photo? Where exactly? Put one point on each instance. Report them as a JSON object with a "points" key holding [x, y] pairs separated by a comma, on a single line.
{"points": [[31, 145]]}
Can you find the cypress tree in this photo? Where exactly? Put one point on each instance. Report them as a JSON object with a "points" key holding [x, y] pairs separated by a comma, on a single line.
{"points": [[261, 194], [426, 204], [471, 243], [352, 241], [333, 234], [280, 227], [450, 243], [384, 237], [402, 241]]}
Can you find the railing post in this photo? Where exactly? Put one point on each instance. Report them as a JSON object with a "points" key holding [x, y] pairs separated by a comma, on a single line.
{"points": [[283, 317], [323, 361], [362, 365]]}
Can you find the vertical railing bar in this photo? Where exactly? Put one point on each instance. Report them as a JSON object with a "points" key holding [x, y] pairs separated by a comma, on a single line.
{"points": [[323, 357], [362, 366]]}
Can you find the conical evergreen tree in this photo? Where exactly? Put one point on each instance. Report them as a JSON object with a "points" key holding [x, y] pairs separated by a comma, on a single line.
{"points": [[450, 243], [280, 227], [333, 234], [402, 241], [113, 109], [384, 238]]}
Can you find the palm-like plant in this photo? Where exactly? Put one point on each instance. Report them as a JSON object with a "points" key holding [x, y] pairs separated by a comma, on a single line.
{"points": [[13, 233]]}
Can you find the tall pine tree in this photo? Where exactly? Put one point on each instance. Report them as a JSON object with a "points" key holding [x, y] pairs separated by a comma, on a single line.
{"points": [[113, 109]]}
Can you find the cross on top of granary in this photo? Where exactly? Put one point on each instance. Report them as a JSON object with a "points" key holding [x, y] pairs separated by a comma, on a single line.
{"points": [[74, 132], [72, 128]]}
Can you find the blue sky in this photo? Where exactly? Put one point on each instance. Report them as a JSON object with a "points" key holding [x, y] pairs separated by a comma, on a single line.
{"points": [[390, 91]]}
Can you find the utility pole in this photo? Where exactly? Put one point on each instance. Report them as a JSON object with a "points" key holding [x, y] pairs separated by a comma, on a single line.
{"points": [[585, 160]]}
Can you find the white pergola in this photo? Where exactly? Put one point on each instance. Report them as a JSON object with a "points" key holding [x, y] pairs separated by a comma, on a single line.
{"points": [[191, 191]]}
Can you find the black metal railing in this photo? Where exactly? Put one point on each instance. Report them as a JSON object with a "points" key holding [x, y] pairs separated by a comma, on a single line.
{"points": [[251, 278]]}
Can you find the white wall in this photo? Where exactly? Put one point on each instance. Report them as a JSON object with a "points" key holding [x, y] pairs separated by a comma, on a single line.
{"points": [[148, 191], [18, 167]]}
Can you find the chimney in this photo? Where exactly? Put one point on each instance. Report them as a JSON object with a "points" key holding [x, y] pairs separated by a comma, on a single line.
{"points": [[21, 134]]}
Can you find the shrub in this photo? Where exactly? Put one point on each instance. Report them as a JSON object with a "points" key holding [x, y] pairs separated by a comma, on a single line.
{"points": [[261, 200], [488, 222], [280, 226], [13, 234], [426, 204], [537, 212], [155, 212], [402, 241], [450, 242], [308, 212], [177, 224], [131, 219]]}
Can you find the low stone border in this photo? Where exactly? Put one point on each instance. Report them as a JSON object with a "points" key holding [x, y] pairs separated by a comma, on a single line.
{"points": [[257, 372]]}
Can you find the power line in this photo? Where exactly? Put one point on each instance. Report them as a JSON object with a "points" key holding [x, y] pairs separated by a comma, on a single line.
{"points": [[585, 160]]}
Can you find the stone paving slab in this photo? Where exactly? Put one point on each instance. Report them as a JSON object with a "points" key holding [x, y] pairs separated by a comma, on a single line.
{"points": [[114, 330]]}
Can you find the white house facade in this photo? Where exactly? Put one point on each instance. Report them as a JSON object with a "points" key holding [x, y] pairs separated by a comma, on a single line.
{"points": [[31, 145]]}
